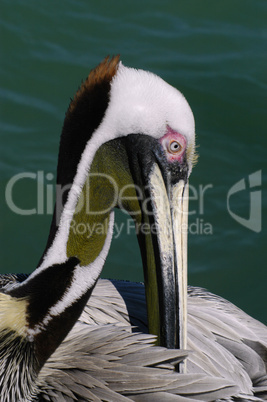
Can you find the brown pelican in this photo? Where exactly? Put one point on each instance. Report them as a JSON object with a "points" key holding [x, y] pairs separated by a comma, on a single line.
{"points": [[128, 142]]}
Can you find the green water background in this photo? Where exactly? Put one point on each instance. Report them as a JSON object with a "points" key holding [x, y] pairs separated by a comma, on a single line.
{"points": [[213, 51]]}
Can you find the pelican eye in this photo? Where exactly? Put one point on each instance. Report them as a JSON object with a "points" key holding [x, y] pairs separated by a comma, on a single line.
{"points": [[174, 147]]}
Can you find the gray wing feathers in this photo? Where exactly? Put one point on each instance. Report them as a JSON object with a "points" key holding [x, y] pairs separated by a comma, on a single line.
{"points": [[228, 354], [121, 373], [241, 339], [117, 302], [225, 341]]}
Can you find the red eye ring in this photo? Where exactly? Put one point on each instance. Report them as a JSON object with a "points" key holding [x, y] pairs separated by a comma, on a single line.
{"points": [[174, 147]]}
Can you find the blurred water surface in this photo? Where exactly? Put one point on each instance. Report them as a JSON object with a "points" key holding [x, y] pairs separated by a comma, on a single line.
{"points": [[214, 52]]}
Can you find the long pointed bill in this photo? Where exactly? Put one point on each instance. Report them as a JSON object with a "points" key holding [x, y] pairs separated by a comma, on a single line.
{"points": [[170, 214], [154, 193], [179, 202]]}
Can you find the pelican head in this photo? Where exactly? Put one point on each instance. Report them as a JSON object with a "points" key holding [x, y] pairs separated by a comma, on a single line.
{"points": [[128, 141]]}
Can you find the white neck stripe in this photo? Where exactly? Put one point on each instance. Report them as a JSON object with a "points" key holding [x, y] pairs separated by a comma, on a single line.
{"points": [[84, 279]]}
